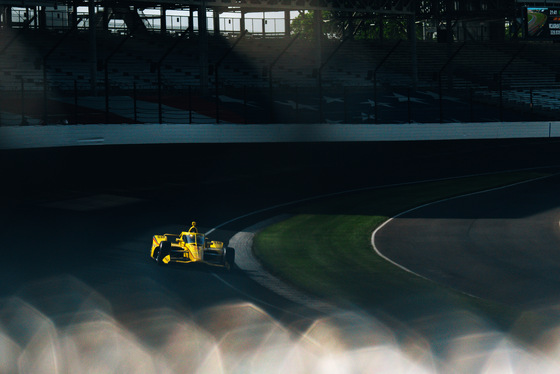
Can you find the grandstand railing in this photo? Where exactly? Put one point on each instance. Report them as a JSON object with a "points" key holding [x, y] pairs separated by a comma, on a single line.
{"points": [[363, 82], [244, 105]]}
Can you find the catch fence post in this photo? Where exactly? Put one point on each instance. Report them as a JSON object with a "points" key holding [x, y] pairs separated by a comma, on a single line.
{"points": [[501, 99], [160, 114], [106, 92], [134, 102], [75, 102], [216, 89], [440, 98], [375, 110], [245, 104], [23, 120], [409, 107], [297, 102], [45, 106], [471, 104], [320, 94], [190, 105], [345, 104], [531, 101]]}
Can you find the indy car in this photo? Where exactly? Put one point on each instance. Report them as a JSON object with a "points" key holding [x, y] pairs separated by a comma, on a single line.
{"points": [[191, 247]]}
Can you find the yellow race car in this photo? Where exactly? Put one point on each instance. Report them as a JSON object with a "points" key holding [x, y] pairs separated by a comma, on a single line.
{"points": [[191, 247]]}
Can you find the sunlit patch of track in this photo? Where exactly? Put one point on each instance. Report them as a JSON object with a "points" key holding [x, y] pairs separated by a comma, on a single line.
{"points": [[242, 242]]}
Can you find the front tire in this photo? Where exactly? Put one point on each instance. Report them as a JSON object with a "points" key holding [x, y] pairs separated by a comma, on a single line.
{"points": [[164, 250]]}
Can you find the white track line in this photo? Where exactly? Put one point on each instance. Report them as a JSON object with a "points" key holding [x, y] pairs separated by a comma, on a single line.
{"points": [[261, 273], [437, 202], [333, 194]]}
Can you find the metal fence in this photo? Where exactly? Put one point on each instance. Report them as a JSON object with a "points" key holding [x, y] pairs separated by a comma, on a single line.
{"points": [[330, 104]]}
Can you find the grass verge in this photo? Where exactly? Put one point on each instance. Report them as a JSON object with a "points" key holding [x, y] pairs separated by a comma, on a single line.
{"points": [[325, 248]]}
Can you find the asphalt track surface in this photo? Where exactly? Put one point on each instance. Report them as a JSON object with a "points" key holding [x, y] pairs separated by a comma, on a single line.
{"points": [[77, 224], [500, 245]]}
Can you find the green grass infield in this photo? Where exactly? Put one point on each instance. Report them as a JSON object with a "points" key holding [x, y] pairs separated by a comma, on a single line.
{"points": [[325, 248]]}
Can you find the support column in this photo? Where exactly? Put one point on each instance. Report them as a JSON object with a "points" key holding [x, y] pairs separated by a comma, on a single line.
{"points": [[449, 41], [42, 18], [191, 21], [318, 28], [413, 50], [216, 21], [242, 22], [9, 20], [381, 27], [449, 28], [73, 16], [36, 15], [6, 17], [106, 15], [162, 19], [92, 47], [203, 47], [287, 23]]}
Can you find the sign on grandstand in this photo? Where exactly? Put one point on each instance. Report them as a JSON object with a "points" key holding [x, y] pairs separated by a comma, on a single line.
{"points": [[542, 22]]}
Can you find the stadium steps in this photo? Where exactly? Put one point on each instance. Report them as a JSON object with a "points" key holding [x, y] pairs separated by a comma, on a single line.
{"points": [[476, 65]]}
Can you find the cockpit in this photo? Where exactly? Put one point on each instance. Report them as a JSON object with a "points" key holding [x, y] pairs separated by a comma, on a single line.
{"points": [[192, 238]]}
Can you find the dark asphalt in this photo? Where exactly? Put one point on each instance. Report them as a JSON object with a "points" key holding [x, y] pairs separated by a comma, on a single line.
{"points": [[67, 251], [163, 188], [502, 245]]}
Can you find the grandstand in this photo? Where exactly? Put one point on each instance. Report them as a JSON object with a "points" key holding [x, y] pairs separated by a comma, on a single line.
{"points": [[55, 67]]}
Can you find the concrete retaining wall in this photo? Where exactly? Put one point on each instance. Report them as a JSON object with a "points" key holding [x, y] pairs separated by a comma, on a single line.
{"points": [[81, 135]]}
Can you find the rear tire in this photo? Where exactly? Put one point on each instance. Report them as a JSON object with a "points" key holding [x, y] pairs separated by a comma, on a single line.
{"points": [[164, 250], [230, 257]]}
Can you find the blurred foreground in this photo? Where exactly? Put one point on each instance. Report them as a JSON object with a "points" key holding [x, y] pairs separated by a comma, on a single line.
{"points": [[61, 325]]}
